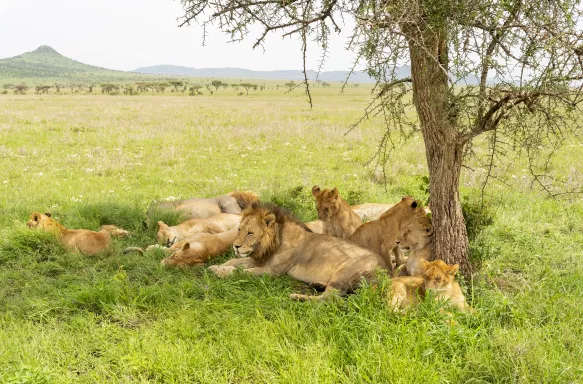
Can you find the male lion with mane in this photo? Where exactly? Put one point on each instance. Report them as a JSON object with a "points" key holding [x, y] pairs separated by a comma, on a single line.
{"points": [[272, 241]]}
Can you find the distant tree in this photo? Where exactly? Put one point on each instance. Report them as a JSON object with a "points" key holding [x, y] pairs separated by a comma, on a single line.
{"points": [[109, 88], [90, 86], [176, 84], [235, 86], [129, 90], [161, 87], [248, 86], [20, 89], [58, 87], [325, 84], [356, 85], [42, 89], [216, 84], [224, 85], [290, 85], [8, 86]]}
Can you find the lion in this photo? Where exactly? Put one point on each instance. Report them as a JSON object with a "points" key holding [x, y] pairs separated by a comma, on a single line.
{"points": [[316, 226], [417, 237], [199, 208], [370, 211], [86, 241], [381, 235], [200, 248], [335, 213], [437, 278], [272, 241], [215, 224]]}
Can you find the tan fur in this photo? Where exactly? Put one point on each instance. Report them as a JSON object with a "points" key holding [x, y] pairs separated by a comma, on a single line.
{"points": [[370, 211], [199, 208], [200, 248], [335, 213], [381, 235], [316, 226], [273, 241], [418, 238], [438, 278], [83, 240], [215, 224]]}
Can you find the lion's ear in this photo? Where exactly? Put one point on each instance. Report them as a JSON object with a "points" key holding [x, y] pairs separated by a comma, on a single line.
{"points": [[186, 246], [429, 229], [414, 204], [162, 224], [269, 220], [334, 193], [315, 190], [452, 270], [48, 214]]}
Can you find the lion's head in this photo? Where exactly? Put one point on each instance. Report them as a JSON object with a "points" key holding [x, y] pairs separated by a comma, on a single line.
{"points": [[259, 231], [416, 235], [166, 236], [327, 202], [438, 275], [39, 220], [408, 209]]}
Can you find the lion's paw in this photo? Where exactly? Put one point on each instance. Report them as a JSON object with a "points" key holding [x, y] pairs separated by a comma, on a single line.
{"points": [[222, 271]]}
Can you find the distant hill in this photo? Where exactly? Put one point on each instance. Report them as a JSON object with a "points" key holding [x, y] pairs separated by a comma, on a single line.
{"points": [[45, 62], [238, 73]]}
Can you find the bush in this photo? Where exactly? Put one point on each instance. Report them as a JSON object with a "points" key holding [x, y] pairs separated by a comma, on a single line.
{"points": [[478, 216]]}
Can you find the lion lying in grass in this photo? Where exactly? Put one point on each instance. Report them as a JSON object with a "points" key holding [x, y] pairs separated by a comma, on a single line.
{"points": [[200, 248], [370, 211], [437, 278], [335, 214], [215, 224], [198, 208], [272, 241], [381, 235], [418, 238], [86, 241]]}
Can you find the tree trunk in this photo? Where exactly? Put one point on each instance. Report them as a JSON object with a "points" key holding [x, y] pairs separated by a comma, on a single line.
{"points": [[443, 149]]}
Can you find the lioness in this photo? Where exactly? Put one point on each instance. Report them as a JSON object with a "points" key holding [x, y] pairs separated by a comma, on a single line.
{"points": [[335, 213], [86, 241], [272, 241], [215, 224], [438, 278], [370, 211], [381, 235], [198, 208], [200, 248], [418, 238]]}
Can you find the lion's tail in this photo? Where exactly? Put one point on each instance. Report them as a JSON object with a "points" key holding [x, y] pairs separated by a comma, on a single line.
{"points": [[133, 249], [244, 199]]}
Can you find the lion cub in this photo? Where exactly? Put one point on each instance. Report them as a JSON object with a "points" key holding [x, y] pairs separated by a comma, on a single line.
{"points": [[418, 238], [438, 278], [335, 213], [199, 248], [86, 241], [215, 224]]}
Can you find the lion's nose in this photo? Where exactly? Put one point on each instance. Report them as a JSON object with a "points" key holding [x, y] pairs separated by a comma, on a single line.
{"points": [[398, 242], [236, 246]]}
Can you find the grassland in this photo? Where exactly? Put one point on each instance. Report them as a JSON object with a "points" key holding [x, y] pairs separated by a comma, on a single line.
{"points": [[123, 318]]}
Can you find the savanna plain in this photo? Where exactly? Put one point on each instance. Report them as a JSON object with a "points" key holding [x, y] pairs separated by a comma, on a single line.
{"points": [[98, 159]]}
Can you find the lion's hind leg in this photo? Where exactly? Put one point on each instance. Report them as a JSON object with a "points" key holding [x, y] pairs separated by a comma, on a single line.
{"points": [[328, 293]]}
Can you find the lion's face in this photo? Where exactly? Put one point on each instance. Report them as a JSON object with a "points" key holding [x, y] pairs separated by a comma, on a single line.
{"points": [[256, 235], [327, 202], [166, 236], [438, 275], [38, 220], [416, 235]]}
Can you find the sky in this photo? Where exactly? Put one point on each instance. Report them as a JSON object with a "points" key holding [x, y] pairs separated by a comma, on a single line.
{"points": [[128, 34]]}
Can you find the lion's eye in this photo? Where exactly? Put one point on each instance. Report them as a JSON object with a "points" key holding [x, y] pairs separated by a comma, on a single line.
{"points": [[249, 233]]}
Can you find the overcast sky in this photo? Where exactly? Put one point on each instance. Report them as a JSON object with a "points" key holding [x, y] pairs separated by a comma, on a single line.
{"points": [[127, 34]]}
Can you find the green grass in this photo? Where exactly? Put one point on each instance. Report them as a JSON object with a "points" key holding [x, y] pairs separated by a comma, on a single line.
{"points": [[93, 160]]}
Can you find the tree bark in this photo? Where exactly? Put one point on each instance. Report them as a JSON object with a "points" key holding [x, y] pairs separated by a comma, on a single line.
{"points": [[443, 147]]}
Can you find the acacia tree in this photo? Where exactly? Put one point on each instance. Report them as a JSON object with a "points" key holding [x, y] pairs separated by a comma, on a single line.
{"points": [[509, 70]]}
